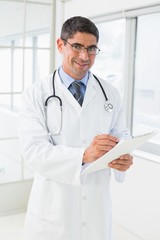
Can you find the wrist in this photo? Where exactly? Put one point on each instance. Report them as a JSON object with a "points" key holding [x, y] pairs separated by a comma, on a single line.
{"points": [[84, 160]]}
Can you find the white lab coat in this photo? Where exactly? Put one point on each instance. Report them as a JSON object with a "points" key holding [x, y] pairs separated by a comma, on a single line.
{"points": [[64, 205]]}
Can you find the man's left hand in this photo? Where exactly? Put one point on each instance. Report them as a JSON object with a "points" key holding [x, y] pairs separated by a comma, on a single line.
{"points": [[123, 163]]}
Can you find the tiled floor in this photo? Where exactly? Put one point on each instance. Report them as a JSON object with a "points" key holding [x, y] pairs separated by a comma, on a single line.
{"points": [[11, 229], [120, 233]]}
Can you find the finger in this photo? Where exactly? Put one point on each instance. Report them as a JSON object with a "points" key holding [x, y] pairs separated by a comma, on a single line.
{"points": [[126, 156], [115, 165], [119, 167], [127, 159], [107, 137], [105, 148], [120, 161], [106, 142]]}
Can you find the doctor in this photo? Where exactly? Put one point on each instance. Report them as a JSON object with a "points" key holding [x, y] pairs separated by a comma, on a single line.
{"points": [[58, 145]]}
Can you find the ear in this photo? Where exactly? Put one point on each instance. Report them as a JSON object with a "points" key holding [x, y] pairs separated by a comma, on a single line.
{"points": [[60, 45]]}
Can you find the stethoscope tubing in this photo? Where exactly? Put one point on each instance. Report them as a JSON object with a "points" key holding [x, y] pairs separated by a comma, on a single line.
{"points": [[101, 88], [109, 105], [54, 95]]}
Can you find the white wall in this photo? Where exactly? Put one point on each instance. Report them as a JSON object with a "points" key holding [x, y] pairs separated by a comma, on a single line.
{"points": [[94, 8], [136, 201], [14, 196], [8, 124]]}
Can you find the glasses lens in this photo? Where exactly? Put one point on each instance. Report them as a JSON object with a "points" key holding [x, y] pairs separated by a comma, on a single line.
{"points": [[93, 50], [77, 48]]}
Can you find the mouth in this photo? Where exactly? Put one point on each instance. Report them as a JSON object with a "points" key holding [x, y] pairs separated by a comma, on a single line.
{"points": [[82, 65]]}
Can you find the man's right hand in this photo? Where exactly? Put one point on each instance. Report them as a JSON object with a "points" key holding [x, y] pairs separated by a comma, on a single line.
{"points": [[100, 145]]}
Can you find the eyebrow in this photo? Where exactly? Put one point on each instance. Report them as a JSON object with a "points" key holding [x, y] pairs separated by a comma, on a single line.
{"points": [[83, 45]]}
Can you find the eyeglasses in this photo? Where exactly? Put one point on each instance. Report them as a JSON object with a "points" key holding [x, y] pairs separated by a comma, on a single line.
{"points": [[92, 50]]}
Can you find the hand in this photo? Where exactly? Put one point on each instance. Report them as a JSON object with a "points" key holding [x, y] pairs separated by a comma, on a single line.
{"points": [[123, 163], [100, 145]]}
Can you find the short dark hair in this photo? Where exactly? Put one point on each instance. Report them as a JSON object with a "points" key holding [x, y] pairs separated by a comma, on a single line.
{"points": [[78, 24]]}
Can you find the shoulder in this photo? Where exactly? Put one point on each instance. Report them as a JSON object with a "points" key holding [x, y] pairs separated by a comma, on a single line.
{"points": [[39, 86], [36, 94]]}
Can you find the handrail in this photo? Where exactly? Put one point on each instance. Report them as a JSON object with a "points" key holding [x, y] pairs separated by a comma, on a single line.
{"points": [[8, 138]]}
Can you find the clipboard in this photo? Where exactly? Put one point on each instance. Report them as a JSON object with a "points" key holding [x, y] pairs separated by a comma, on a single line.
{"points": [[123, 147]]}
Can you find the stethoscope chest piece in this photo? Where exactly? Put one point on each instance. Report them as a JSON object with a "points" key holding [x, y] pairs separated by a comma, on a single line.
{"points": [[108, 106]]}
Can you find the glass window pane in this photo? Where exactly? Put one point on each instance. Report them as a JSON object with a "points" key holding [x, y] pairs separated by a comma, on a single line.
{"points": [[5, 42], [43, 40], [17, 99], [10, 161], [20, 67], [38, 21], [28, 68], [18, 41], [5, 100], [109, 62], [147, 75], [42, 64], [5, 70], [11, 21], [8, 124], [29, 41], [17, 70]]}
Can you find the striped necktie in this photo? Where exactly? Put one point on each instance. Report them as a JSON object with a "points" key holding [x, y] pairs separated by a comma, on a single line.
{"points": [[78, 89]]}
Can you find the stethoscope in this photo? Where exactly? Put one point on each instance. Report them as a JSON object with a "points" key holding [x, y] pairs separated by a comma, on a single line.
{"points": [[107, 105]]}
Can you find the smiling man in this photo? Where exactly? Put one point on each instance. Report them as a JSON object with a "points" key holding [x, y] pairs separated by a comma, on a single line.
{"points": [[77, 65], [58, 124]]}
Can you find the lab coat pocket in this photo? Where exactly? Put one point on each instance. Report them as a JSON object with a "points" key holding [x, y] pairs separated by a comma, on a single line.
{"points": [[43, 199], [49, 201]]}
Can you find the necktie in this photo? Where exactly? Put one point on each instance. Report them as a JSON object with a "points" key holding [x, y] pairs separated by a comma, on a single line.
{"points": [[77, 89]]}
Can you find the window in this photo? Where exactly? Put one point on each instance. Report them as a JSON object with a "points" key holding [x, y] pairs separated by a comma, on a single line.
{"points": [[146, 110], [24, 58], [130, 55], [110, 61], [24, 47]]}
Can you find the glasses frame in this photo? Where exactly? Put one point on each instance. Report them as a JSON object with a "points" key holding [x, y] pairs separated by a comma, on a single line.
{"points": [[82, 48]]}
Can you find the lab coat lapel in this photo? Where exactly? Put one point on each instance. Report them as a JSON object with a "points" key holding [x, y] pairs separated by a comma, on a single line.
{"points": [[65, 94], [67, 97], [91, 91]]}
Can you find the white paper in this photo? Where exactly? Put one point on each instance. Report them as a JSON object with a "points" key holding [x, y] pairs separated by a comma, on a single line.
{"points": [[123, 147]]}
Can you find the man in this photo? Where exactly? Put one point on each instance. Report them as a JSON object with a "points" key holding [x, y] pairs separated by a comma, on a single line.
{"points": [[59, 145]]}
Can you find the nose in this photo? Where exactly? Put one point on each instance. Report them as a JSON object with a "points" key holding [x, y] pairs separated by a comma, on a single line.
{"points": [[84, 55]]}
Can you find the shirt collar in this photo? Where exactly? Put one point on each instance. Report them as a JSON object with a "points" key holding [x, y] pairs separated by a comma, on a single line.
{"points": [[67, 80]]}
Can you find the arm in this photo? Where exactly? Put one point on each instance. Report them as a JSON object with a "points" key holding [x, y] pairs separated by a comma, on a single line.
{"points": [[105, 142], [123, 163], [100, 145], [56, 162]]}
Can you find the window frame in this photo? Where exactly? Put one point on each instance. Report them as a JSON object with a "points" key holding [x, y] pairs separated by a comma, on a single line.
{"points": [[12, 47], [131, 17]]}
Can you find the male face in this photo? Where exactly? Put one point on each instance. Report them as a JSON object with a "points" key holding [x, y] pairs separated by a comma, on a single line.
{"points": [[77, 64]]}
